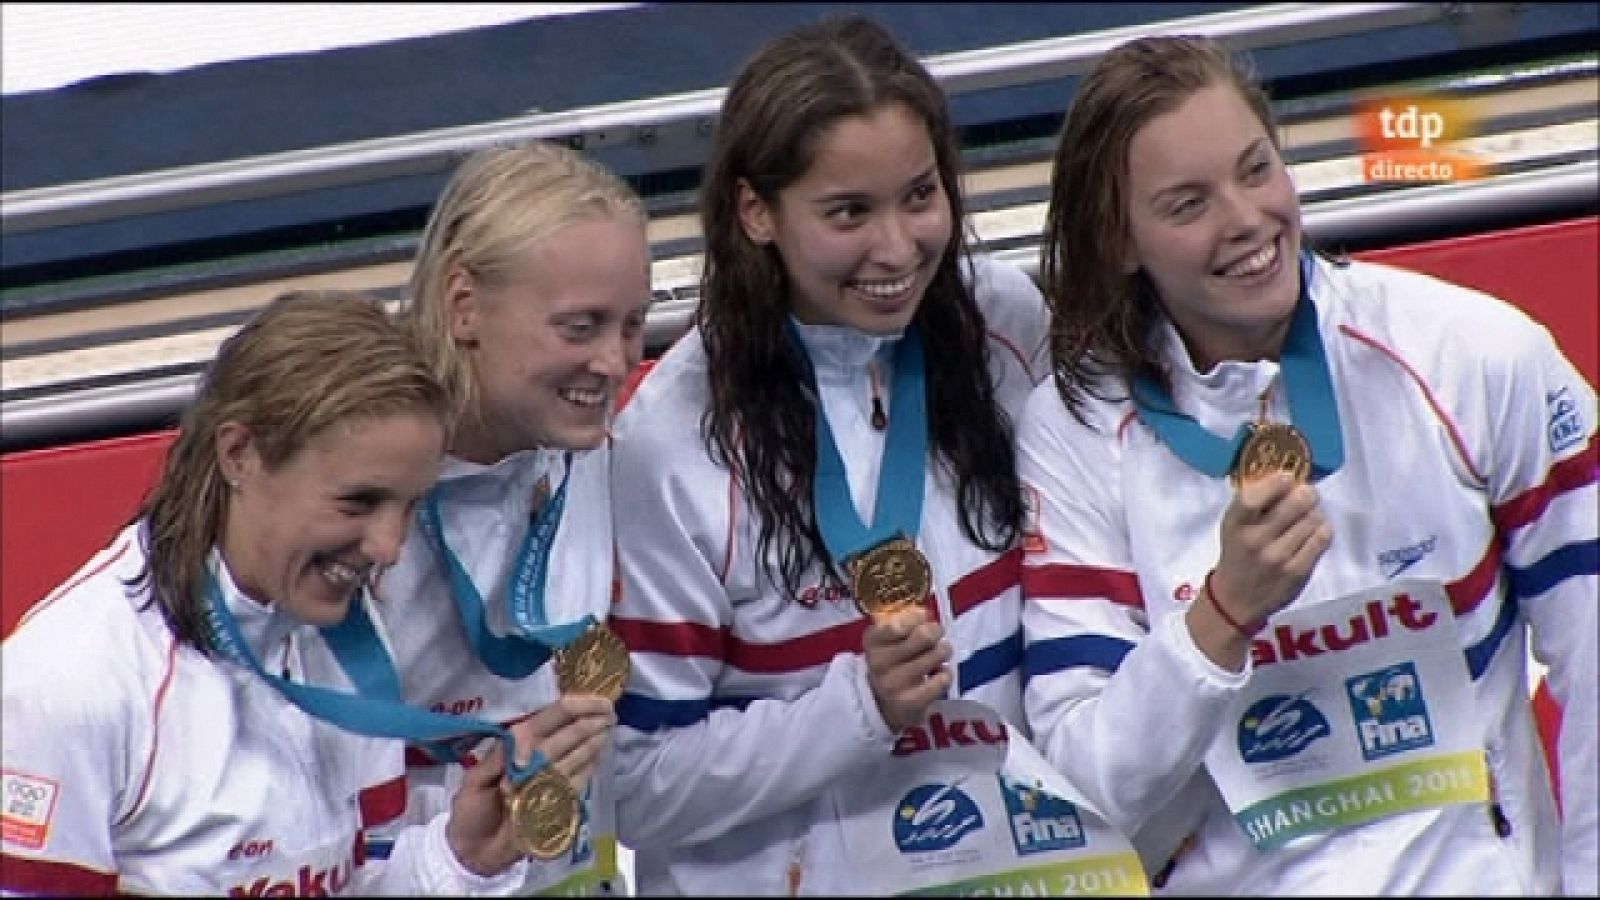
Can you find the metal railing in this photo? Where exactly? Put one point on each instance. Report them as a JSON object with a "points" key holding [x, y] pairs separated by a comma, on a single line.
{"points": [[652, 119], [138, 404]]}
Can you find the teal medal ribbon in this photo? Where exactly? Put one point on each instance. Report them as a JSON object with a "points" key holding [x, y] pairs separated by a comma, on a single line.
{"points": [[533, 640], [374, 710], [1313, 407], [898, 508]]}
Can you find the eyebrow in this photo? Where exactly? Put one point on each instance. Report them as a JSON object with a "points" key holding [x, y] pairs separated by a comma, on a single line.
{"points": [[364, 493], [840, 197], [1253, 148]]}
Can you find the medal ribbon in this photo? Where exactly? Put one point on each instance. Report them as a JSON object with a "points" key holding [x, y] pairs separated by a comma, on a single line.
{"points": [[533, 639], [898, 508], [1313, 409], [361, 654]]}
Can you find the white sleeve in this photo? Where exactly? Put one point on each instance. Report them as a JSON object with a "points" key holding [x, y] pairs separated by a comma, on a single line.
{"points": [[1542, 468], [72, 743], [423, 863], [1017, 318], [693, 764], [1100, 678]]}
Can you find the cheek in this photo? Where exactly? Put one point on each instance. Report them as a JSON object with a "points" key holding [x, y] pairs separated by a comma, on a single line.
{"points": [[1286, 201], [1171, 252], [933, 231], [821, 254]]}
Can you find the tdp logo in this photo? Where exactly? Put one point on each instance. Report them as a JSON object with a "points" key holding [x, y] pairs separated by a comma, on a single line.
{"points": [[1410, 139], [1040, 821], [934, 817], [1390, 712]]}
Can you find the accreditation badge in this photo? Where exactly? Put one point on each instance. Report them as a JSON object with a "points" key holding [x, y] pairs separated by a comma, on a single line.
{"points": [[591, 859], [1356, 710], [965, 806]]}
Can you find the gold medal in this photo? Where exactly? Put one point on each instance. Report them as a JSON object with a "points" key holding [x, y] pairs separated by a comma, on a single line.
{"points": [[890, 577], [1272, 447], [595, 663], [544, 814]]}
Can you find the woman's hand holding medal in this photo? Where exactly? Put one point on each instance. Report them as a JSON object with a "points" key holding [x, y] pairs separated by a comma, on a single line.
{"points": [[483, 832], [495, 821], [907, 664], [571, 733], [1272, 534]]}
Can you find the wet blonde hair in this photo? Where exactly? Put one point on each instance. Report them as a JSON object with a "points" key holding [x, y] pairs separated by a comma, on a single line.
{"points": [[498, 203], [308, 361]]}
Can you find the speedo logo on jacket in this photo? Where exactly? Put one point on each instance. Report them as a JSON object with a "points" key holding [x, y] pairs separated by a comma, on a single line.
{"points": [[1376, 620]]}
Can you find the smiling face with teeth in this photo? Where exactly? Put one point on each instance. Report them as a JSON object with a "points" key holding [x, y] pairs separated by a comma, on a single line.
{"points": [[551, 341], [861, 233], [1214, 223], [302, 536]]}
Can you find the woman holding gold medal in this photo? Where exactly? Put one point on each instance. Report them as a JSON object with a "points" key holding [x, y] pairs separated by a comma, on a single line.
{"points": [[1299, 520], [817, 545], [528, 294], [208, 708]]}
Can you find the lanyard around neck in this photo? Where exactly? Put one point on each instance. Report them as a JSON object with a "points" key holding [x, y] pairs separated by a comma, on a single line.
{"points": [[1307, 381], [533, 638], [374, 710], [898, 507]]}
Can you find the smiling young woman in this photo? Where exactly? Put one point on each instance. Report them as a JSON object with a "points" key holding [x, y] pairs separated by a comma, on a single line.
{"points": [[188, 714], [1242, 439]]}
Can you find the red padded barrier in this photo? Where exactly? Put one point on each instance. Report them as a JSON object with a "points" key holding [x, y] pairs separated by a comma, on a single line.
{"points": [[1548, 270], [60, 505]]}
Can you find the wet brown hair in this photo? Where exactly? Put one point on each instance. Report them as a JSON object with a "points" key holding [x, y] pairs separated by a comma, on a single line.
{"points": [[1102, 316], [306, 362]]}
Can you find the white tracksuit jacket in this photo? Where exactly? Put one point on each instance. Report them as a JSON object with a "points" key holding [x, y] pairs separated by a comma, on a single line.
{"points": [[747, 708], [1470, 459], [135, 764], [486, 514]]}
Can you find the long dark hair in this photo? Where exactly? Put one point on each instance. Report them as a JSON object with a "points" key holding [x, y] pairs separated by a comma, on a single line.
{"points": [[762, 422]]}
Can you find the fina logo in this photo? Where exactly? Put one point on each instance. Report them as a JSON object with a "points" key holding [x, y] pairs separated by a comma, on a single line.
{"points": [[1566, 425], [934, 817], [1040, 821], [1277, 726], [1391, 714]]}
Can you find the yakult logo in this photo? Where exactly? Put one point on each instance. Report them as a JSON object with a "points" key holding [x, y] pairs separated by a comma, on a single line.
{"points": [[1413, 138], [1374, 622], [308, 882], [944, 734]]}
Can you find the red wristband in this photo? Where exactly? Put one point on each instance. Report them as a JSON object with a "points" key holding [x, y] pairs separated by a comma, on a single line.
{"points": [[1216, 604]]}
